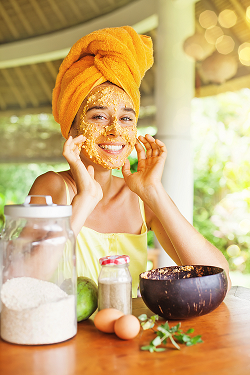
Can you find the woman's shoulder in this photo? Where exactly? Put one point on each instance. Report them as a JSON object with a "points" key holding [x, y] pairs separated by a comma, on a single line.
{"points": [[50, 183]]}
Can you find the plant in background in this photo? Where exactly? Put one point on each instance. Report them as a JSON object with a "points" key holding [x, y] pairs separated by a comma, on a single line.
{"points": [[221, 138]]}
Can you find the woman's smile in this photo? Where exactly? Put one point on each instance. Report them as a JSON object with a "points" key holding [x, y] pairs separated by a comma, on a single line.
{"points": [[112, 148]]}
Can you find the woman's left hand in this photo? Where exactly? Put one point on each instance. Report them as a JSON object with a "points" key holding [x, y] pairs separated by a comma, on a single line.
{"points": [[150, 166]]}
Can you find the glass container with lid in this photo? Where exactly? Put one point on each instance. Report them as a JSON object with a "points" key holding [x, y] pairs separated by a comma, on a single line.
{"points": [[115, 284], [38, 292]]}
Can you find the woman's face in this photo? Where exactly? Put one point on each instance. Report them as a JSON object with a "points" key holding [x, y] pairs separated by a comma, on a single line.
{"points": [[107, 119]]}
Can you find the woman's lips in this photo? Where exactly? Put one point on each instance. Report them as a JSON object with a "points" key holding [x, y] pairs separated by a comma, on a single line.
{"points": [[111, 148]]}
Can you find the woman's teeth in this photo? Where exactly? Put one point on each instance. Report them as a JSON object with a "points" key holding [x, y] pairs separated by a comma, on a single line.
{"points": [[111, 147]]}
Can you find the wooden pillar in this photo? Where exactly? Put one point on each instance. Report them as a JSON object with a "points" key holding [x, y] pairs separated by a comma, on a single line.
{"points": [[174, 92]]}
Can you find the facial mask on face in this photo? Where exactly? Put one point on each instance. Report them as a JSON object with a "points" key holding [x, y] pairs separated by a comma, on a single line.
{"points": [[92, 132], [126, 135]]}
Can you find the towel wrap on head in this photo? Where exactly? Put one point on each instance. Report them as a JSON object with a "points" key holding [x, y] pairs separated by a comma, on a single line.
{"points": [[117, 54]]}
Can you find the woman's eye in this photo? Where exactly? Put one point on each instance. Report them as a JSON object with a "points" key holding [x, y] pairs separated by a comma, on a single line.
{"points": [[126, 118], [98, 117]]}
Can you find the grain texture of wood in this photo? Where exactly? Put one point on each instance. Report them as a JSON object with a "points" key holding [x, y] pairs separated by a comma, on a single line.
{"points": [[225, 350]]}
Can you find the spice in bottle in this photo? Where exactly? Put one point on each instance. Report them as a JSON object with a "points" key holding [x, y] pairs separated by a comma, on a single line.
{"points": [[115, 284]]}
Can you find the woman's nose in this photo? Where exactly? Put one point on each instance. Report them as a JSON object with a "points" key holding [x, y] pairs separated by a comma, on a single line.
{"points": [[114, 128]]}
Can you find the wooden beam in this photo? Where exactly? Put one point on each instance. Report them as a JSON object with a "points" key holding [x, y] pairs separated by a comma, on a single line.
{"points": [[94, 7], [75, 9], [13, 88], [8, 21], [40, 14], [3, 105], [241, 11], [232, 85], [26, 86], [56, 45], [58, 12], [210, 6], [24, 111], [52, 69], [198, 27], [22, 17], [145, 87], [43, 82]]}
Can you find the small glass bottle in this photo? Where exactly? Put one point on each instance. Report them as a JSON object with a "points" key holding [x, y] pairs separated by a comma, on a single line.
{"points": [[115, 284]]}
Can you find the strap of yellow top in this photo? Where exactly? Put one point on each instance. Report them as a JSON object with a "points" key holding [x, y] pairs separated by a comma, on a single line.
{"points": [[142, 209], [67, 191]]}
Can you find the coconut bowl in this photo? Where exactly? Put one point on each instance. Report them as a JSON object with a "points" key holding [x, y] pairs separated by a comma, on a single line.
{"points": [[181, 292]]}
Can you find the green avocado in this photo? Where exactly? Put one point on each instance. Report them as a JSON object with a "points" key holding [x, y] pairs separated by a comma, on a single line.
{"points": [[87, 293]]}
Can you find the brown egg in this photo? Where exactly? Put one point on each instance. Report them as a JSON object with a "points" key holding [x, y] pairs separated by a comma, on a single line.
{"points": [[127, 327], [105, 319]]}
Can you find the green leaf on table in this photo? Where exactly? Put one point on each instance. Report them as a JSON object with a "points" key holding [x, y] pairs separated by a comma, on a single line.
{"points": [[164, 332], [147, 325], [143, 317], [156, 341], [154, 318], [147, 347], [160, 349]]}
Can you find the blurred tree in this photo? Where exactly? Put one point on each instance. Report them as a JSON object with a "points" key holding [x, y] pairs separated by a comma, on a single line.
{"points": [[221, 138]]}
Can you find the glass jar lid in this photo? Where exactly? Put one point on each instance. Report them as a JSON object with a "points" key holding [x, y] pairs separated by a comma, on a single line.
{"points": [[114, 259], [48, 210]]}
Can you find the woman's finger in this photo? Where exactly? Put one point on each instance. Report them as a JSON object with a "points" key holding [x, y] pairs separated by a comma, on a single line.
{"points": [[150, 145], [147, 146], [140, 150], [74, 144], [126, 169], [162, 146]]}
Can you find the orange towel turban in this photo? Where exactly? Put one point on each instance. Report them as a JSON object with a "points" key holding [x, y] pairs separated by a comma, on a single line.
{"points": [[118, 55]]}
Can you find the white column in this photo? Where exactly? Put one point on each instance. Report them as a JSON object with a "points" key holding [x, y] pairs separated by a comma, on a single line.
{"points": [[174, 92]]}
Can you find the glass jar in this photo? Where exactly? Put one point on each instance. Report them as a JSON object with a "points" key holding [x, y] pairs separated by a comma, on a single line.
{"points": [[38, 292], [115, 284]]}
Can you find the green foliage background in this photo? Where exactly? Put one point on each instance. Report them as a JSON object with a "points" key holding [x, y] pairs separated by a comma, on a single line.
{"points": [[221, 139]]}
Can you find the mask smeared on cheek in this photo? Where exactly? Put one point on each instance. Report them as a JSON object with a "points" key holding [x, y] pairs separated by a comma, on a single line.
{"points": [[107, 96], [92, 132]]}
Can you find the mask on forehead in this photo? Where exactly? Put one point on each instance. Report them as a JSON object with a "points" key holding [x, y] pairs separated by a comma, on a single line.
{"points": [[112, 133]]}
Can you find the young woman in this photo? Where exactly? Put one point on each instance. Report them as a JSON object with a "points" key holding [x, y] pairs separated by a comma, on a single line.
{"points": [[97, 106]]}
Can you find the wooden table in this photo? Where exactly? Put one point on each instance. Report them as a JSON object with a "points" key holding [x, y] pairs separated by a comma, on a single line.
{"points": [[225, 351]]}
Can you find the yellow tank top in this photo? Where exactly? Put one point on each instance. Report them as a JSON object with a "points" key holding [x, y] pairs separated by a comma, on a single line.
{"points": [[92, 245]]}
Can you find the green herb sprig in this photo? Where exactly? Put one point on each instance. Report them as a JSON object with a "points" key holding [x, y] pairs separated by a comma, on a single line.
{"points": [[164, 332]]}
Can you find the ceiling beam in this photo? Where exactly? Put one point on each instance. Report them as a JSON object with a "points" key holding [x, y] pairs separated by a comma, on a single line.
{"points": [[26, 86], [3, 105], [53, 71], [227, 31], [22, 17], [75, 9], [94, 7], [8, 21], [140, 14], [40, 14], [234, 84], [58, 12], [46, 88], [22, 112], [241, 11], [14, 89]]}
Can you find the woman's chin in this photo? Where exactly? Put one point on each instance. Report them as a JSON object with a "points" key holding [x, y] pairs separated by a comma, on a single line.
{"points": [[109, 165]]}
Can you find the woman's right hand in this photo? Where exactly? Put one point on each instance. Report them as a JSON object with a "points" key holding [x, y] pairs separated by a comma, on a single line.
{"points": [[89, 191]]}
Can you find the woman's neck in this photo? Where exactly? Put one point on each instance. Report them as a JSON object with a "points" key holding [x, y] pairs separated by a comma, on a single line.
{"points": [[105, 178]]}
